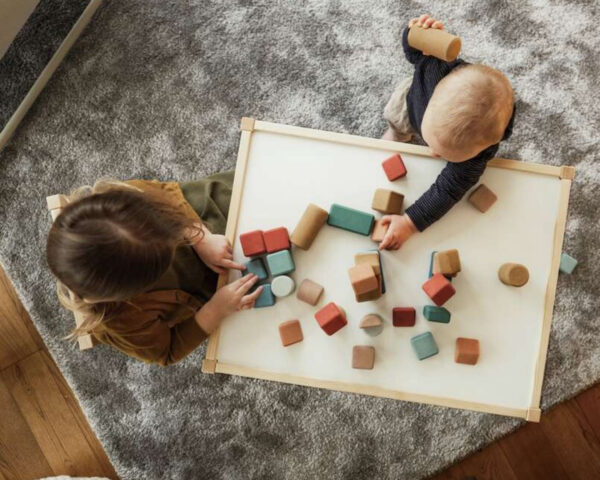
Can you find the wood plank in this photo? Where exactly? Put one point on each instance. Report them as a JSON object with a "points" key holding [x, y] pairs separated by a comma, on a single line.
{"points": [[589, 402], [50, 418], [20, 455]]}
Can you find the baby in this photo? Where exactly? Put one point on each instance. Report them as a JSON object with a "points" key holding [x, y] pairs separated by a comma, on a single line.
{"points": [[462, 111]]}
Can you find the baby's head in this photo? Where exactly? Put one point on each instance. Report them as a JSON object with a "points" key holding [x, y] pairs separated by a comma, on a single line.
{"points": [[469, 111]]}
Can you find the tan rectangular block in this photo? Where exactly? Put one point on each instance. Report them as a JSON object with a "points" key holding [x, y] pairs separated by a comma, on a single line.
{"points": [[363, 357], [387, 201], [379, 231], [447, 262], [482, 198]]}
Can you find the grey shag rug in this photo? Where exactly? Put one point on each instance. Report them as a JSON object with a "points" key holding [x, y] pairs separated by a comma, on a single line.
{"points": [[156, 88]]}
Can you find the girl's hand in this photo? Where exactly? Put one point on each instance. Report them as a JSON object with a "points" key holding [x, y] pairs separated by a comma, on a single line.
{"points": [[400, 229], [216, 252], [425, 21], [234, 296]]}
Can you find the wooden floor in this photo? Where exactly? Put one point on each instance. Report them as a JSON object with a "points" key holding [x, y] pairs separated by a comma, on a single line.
{"points": [[43, 431]]}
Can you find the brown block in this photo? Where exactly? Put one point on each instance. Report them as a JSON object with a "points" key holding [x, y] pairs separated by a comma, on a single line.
{"points": [[447, 263], [368, 296], [313, 218], [290, 332], [482, 198], [363, 357], [513, 274], [379, 231], [387, 201], [309, 292], [467, 351], [363, 278], [435, 42], [370, 258]]}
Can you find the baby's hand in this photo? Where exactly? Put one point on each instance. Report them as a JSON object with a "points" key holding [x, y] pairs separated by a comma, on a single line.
{"points": [[216, 252], [425, 21], [234, 296], [400, 229]]}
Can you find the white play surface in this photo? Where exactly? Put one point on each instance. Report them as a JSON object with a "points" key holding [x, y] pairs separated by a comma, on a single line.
{"points": [[285, 173]]}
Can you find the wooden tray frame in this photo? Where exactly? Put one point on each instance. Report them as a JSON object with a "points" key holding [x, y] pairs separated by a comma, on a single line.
{"points": [[564, 174]]}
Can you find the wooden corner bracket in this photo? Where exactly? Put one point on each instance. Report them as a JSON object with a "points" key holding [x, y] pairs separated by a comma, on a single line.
{"points": [[247, 124], [533, 415], [209, 366], [567, 172]]}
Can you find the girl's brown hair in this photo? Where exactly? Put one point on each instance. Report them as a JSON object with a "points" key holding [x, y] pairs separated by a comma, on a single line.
{"points": [[111, 243]]}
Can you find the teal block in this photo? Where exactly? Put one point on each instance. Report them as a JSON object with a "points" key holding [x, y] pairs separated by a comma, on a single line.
{"points": [[381, 270], [350, 219], [266, 297], [257, 267], [280, 263], [436, 314], [424, 345], [567, 263], [431, 264]]}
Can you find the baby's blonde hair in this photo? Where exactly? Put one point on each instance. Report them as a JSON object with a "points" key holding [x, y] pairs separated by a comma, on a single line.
{"points": [[471, 105]]}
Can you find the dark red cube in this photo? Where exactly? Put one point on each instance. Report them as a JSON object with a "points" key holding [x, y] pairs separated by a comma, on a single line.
{"points": [[404, 316], [331, 318], [439, 289], [277, 239], [394, 167], [253, 243]]}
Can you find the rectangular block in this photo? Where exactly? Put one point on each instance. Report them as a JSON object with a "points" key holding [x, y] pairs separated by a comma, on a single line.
{"points": [[309, 291], [387, 201], [370, 258], [363, 357], [280, 263], [482, 198], [394, 167], [424, 345], [431, 260], [257, 267], [253, 243], [436, 314], [290, 332], [363, 278], [379, 231], [447, 263], [313, 218], [404, 316], [331, 318], [266, 298], [439, 289], [567, 263], [350, 219], [276, 239], [466, 351]]}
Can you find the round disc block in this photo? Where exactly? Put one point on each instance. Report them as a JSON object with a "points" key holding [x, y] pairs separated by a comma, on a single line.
{"points": [[282, 286], [372, 324]]}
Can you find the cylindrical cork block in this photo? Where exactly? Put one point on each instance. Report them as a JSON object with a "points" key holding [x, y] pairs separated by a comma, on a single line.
{"points": [[513, 274], [312, 220], [435, 42]]}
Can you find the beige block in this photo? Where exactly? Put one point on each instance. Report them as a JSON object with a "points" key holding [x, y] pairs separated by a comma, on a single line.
{"points": [[363, 357], [363, 278], [482, 198], [309, 292], [379, 231], [313, 218], [387, 201], [513, 274], [370, 320], [447, 262], [370, 258]]}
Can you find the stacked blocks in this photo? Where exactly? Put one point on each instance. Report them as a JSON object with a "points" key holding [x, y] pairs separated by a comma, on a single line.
{"points": [[567, 263], [363, 357], [266, 298], [331, 318], [257, 267], [253, 243], [373, 258], [276, 239], [350, 219], [372, 324], [439, 289], [447, 263], [482, 198], [308, 227], [513, 274], [387, 201], [379, 231], [282, 286], [467, 351], [290, 332], [280, 262], [436, 314], [309, 292], [404, 316], [424, 345], [394, 167], [363, 278]]}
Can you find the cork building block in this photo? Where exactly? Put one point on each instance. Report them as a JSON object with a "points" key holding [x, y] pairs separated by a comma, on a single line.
{"points": [[387, 201], [331, 318], [368, 296], [567, 263], [436, 314], [404, 316], [372, 324], [467, 351], [379, 231], [363, 357], [309, 292], [350, 219], [290, 332], [424, 345], [394, 167], [439, 289], [280, 262], [363, 278], [266, 298], [253, 243], [435, 42], [513, 274], [313, 218], [282, 286], [370, 258], [276, 239], [447, 263], [482, 198], [257, 267]]}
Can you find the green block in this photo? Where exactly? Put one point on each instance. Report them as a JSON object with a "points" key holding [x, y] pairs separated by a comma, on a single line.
{"points": [[436, 314], [424, 345], [280, 263], [350, 219], [257, 267], [567, 263]]}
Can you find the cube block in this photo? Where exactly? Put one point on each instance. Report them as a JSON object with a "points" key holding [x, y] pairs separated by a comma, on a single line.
{"points": [[447, 263], [280, 262], [309, 292], [482, 198], [424, 345], [253, 243], [466, 351], [372, 324], [387, 201], [439, 289], [394, 167], [436, 314], [363, 278], [276, 239], [313, 218], [331, 318], [266, 298], [282, 286], [404, 316], [513, 274], [363, 357], [567, 263], [290, 332], [257, 267], [350, 219], [379, 231]]}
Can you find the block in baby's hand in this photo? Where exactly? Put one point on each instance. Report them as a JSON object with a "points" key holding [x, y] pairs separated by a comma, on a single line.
{"points": [[394, 167], [257, 267], [331, 318], [439, 289], [379, 231], [363, 357], [280, 262], [350, 219], [567, 263], [482, 198], [363, 278], [253, 243], [447, 263], [290, 332], [436, 314], [266, 298], [387, 201], [309, 292], [404, 316], [424, 345], [276, 239], [467, 351]]}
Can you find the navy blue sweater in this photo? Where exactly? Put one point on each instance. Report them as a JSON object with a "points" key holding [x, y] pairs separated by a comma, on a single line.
{"points": [[456, 178]]}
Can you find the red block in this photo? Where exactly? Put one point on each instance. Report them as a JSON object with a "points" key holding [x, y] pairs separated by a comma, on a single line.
{"points": [[439, 289], [404, 316], [277, 239], [253, 243], [394, 167], [331, 318]]}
